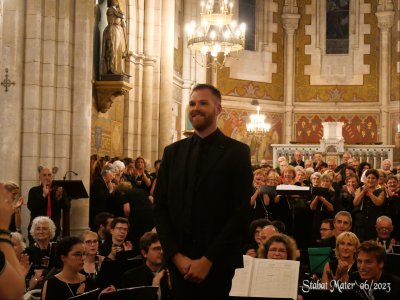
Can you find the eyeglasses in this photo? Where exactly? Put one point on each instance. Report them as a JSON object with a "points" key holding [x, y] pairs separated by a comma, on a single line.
{"points": [[91, 242], [277, 250], [79, 254]]}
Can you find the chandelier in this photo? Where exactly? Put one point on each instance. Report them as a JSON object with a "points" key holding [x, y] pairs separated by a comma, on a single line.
{"points": [[217, 33], [257, 125]]}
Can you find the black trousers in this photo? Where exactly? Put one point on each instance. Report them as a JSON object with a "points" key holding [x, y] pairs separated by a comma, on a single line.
{"points": [[217, 285]]}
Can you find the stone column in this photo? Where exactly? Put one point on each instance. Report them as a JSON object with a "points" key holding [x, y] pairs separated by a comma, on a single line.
{"points": [[12, 23], [148, 69], [166, 72], [82, 108], [290, 19], [385, 16]]}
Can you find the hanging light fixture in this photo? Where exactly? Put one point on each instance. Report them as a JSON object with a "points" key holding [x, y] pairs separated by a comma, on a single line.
{"points": [[257, 125], [217, 32]]}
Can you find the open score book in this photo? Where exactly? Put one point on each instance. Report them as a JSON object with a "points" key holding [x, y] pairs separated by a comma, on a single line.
{"points": [[269, 278]]}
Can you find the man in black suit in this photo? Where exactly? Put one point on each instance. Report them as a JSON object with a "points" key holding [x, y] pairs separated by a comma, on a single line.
{"points": [[47, 200], [151, 272], [201, 203]]}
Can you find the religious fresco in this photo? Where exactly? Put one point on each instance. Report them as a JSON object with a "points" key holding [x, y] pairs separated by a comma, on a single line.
{"points": [[254, 89], [395, 57], [368, 92], [357, 128], [232, 123], [395, 135]]}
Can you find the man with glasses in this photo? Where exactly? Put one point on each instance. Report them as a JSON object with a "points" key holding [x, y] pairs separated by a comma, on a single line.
{"points": [[326, 229], [115, 247], [384, 229], [151, 273], [341, 223]]}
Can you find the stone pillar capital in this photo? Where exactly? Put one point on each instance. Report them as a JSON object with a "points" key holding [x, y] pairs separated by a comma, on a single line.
{"points": [[290, 22], [290, 7], [385, 19], [149, 61]]}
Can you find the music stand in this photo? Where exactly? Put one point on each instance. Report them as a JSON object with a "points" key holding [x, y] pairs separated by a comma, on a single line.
{"points": [[134, 293], [74, 190], [318, 258]]}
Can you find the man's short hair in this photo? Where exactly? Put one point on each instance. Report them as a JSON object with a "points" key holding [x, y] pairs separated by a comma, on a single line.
{"points": [[205, 86], [329, 221], [119, 220], [384, 218], [344, 213], [372, 247], [147, 239], [158, 161], [101, 219]]}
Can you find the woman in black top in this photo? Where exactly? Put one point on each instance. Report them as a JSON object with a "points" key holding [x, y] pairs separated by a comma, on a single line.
{"points": [[93, 261], [69, 282]]}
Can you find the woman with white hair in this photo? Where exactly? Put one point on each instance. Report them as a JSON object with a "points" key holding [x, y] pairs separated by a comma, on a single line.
{"points": [[42, 252]]}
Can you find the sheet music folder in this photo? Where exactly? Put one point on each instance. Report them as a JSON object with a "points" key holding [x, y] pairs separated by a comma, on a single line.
{"points": [[74, 188], [112, 270], [286, 189], [91, 295], [134, 293]]}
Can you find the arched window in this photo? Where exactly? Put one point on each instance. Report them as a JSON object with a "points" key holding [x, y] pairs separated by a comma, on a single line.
{"points": [[337, 26], [247, 14]]}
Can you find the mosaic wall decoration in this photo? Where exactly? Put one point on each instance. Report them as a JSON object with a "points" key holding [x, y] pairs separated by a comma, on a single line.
{"points": [[358, 128], [395, 75], [232, 123], [254, 89], [368, 92], [395, 135]]}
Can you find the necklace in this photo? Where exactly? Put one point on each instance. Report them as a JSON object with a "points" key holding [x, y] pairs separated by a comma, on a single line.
{"points": [[72, 293]]}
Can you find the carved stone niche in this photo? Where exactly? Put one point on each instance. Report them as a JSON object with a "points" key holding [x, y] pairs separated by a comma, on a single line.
{"points": [[107, 91]]}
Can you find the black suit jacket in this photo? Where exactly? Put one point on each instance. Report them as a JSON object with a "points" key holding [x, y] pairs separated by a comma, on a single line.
{"points": [[222, 196], [99, 200], [37, 204], [143, 276], [295, 164]]}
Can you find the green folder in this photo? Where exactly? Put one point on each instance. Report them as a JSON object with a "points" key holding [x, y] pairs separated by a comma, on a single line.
{"points": [[318, 258]]}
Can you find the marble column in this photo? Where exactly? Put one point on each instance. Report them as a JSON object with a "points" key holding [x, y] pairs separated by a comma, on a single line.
{"points": [[166, 72], [385, 16], [290, 19], [148, 69], [81, 108]]}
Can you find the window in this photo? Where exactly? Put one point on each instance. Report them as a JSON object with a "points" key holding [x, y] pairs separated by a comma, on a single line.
{"points": [[337, 26], [247, 14]]}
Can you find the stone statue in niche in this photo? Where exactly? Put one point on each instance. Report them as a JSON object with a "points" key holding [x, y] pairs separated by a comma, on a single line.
{"points": [[114, 41]]}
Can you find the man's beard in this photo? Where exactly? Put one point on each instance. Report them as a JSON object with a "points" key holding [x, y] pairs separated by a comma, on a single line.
{"points": [[203, 123]]}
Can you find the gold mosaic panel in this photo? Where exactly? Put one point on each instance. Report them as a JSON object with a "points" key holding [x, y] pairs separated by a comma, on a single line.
{"points": [[255, 89], [368, 92]]}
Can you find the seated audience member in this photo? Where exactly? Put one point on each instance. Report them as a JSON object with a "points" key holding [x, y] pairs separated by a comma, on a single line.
{"points": [[42, 254], [19, 244], [368, 203], [151, 273], [384, 229], [392, 204], [259, 201], [69, 282], [101, 193], [279, 225], [48, 200], [11, 273], [255, 229], [381, 179], [308, 164], [341, 223], [117, 244], [266, 232], [102, 222], [92, 261], [343, 264], [326, 229], [12, 191], [298, 159], [387, 167], [370, 263], [321, 206], [347, 192]]}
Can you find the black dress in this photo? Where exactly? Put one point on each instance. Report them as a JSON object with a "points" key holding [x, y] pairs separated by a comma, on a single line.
{"points": [[60, 290]]}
